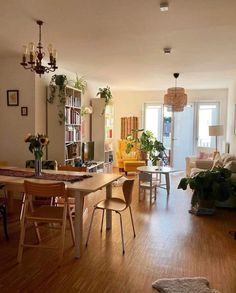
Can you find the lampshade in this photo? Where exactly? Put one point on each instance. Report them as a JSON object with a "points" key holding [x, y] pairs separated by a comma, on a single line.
{"points": [[216, 130], [175, 99]]}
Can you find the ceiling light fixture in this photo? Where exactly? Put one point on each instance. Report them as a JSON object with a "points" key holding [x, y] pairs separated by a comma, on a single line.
{"points": [[175, 99], [164, 6], [36, 57]]}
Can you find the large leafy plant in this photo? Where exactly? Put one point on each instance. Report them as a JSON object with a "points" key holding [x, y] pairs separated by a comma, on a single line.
{"points": [[147, 143], [209, 185]]}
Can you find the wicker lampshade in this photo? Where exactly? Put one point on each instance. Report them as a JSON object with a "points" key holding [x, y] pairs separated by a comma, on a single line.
{"points": [[175, 99]]}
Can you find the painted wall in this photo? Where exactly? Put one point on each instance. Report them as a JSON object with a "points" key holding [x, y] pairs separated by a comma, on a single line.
{"points": [[131, 103], [13, 126], [230, 134]]}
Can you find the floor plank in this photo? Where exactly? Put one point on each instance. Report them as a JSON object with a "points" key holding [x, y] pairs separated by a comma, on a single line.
{"points": [[170, 242]]}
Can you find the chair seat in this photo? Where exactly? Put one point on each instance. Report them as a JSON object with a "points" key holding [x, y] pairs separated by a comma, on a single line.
{"points": [[48, 213], [148, 185], [115, 204]]}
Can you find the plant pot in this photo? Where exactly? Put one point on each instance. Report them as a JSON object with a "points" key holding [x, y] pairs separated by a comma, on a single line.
{"points": [[203, 207]]}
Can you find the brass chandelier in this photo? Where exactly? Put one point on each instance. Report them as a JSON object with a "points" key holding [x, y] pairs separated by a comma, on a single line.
{"points": [[175, 99], [35, 57]]}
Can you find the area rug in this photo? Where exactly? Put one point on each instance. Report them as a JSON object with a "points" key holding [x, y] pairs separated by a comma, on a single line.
{"points": [[183, 285]]}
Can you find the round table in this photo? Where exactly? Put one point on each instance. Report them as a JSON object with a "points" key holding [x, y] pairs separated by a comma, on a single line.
{"points": [[159, 170]]}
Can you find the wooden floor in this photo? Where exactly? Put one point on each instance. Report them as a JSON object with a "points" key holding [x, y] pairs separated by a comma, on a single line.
{"points": [[170, 242]]}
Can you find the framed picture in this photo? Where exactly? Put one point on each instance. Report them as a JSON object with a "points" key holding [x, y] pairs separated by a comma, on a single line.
{"points": [[24, 111], [12, 98]]}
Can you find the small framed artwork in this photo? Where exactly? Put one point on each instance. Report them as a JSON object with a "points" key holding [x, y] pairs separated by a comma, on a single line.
{"points": [[24, 111], [12, 98]]}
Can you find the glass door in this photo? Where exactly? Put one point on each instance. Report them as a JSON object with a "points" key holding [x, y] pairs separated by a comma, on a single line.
{"points": [[182, 142]]}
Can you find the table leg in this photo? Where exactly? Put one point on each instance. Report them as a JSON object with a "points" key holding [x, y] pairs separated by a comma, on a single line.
{"points": [[79, 206], [108, 213], [167, 183]]}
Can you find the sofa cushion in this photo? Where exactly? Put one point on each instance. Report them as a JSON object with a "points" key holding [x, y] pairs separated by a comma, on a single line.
{"points": [[227, 158], [231, 166]]}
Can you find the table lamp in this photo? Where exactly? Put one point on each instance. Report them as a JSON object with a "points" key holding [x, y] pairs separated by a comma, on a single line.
{"points": [[216, 130]]}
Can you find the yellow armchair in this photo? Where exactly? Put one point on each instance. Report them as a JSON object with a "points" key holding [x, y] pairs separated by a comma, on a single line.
{"points": [[122, 156]]}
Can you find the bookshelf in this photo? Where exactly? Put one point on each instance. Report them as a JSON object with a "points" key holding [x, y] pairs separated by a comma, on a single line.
{"points": [[102, 132], [66, 137]]}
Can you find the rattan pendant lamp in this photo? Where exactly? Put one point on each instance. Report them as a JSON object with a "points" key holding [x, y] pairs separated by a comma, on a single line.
{"points": [[175, 99]]}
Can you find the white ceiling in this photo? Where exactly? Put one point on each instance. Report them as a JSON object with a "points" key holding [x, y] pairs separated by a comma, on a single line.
{"points": [[119, 42]]}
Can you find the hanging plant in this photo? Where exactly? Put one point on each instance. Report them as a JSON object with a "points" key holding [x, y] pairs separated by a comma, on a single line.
{"points": [[105, 93], [58, 82]]}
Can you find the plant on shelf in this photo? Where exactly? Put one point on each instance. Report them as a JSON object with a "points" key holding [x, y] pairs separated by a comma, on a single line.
{"points": [[148, 145], [60, 82], [105, 93], [80, 83], [208, 186]]}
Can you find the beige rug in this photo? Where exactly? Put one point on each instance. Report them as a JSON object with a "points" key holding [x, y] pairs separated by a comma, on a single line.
{"points": [[183, 285]]}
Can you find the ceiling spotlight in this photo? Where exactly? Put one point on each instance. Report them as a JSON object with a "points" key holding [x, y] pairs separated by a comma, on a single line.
{"points": [[164, 6], [167, 50]]}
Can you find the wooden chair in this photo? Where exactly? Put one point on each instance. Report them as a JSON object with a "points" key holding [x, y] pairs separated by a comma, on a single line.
{"points": [[146, 183], [44, 213], [3, 212], [59, 201], [117, 205]]}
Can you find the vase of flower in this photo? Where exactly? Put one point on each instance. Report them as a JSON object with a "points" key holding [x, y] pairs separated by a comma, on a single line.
{"points": [[38, 167], [36, 145]]}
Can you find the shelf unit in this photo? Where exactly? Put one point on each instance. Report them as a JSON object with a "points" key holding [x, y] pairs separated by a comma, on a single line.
{"points": [[66, 137], [102, 132]]}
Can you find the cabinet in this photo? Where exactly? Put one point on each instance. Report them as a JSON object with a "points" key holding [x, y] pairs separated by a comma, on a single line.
{"points": [[65, 137], [102, 132]]}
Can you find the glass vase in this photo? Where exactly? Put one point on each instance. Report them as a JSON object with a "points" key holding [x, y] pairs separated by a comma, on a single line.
{"points": [[38, 167]]}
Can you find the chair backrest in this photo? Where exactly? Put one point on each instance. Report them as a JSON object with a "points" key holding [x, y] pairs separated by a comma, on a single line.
{"points": [[71, 168], [47, 190], [46, 164], [145, 177], [127, 190]]}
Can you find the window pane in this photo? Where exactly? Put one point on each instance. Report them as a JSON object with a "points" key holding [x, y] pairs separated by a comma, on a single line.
{"points": [[207, 115], [153, 119]]}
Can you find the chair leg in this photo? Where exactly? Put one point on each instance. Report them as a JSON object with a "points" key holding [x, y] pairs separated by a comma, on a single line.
{"points": [[22, 206], [103, 211], [63, 233], [122, 234], [132, 220], [90, 225], [21, 242], [4, 216], [71, 224]]}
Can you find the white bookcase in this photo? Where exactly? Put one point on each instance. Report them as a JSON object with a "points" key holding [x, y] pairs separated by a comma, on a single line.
{"points": [[102, 132], [65, 137]]}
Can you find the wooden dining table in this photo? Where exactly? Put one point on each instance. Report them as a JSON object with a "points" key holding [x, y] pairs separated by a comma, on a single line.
{"points": [[77, 189]]}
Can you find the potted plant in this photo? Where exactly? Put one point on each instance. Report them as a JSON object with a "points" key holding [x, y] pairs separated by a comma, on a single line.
{"points": [[149, 146], [60, 82], [208, 186], [105, 93], [80, 83]]}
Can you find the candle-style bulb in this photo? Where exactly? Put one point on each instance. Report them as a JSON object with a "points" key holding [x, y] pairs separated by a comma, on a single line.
{"points": [[54, 54], [31, 47], [24, 50], [50, 49]]}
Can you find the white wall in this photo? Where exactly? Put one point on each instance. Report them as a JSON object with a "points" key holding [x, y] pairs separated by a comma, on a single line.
{"points": [[13, 126], [131, 103]]}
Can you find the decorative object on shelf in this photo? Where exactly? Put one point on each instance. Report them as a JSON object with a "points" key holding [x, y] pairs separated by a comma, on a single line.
{"points": [[208, 186], [105, 93], [12, 98], [80, 83], [24, 111], [175, 99], [149, 146], [216, 130], [86, 110], [36, 57], [36, 144], [60, 82]]}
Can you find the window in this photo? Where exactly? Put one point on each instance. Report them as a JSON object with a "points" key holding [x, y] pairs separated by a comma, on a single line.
{"points": [[153, 119], [207, 115]]}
